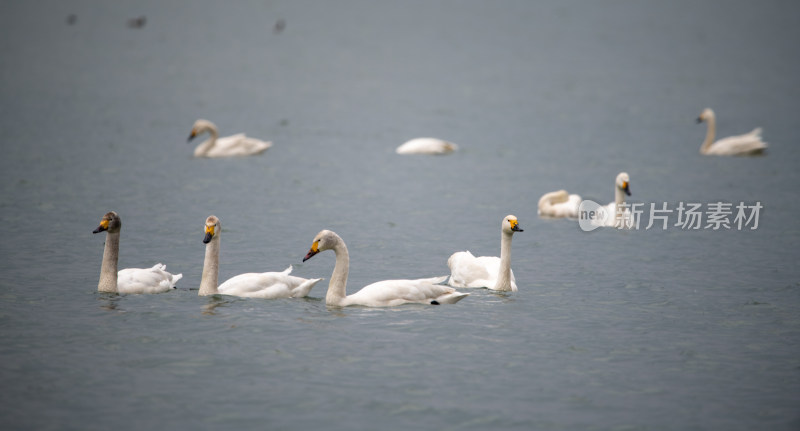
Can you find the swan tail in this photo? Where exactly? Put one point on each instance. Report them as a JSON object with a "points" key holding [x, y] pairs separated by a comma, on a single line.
{"points": [[304, 288], [450, 298], [287, 271]]}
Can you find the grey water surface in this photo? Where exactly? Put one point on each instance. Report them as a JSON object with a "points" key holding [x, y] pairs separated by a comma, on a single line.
{"points": [[646, 329]]}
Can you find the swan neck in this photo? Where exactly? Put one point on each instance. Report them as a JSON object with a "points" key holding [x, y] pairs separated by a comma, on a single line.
{"points": [[710, 133], [504, 274], [108, 271], [337, 288], [210, 278]]}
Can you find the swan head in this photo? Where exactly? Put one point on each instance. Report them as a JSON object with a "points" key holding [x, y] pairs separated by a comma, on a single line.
{"points": [[213, 228], [325, 240], [623, 183], [110, 222], [199, 127], [706, 115], [511, 224]]}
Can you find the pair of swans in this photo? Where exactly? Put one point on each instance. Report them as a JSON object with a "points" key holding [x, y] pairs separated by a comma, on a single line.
{"points": [[431, 146], [229, 146], [270, 285], [128, 280], [561, 204], [749, 144]]}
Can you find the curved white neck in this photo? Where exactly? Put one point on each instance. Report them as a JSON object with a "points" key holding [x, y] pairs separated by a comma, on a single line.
{"points": [[108, 271], [504, 276], [206, 146], [210, 278], [619, 200], [712, 128], [337, 288]]}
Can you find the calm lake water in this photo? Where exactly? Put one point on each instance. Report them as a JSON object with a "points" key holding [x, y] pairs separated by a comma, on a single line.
{"points": [[656, 329]]}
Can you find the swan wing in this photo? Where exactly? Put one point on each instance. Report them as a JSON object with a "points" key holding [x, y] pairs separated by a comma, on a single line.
{"points": [[467, 270], [743, 144], [389, 293], [238, 145], [267, 285], [146, 280]]}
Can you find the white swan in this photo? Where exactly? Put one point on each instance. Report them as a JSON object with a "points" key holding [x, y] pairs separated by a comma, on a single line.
{"points": [[229, 146], [492, 272], [426, 146], [749, 144], [266, 285], [385, 293], [559, 204], [616, 214], [128, 280]]}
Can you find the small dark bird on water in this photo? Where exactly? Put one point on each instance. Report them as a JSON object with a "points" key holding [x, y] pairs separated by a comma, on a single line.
{"points": [[137, 22]]}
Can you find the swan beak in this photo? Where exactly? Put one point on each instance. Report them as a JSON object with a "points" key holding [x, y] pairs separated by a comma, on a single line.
{"points": [[102, 228], [699, 120], [209, 234], [314, 250], [626, 188], [515, 226], [191, 136]]}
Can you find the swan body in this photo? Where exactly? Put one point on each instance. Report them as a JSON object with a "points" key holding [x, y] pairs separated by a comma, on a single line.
{"points": [[387, 293], [616, 214], [426, 146], [230, 146], [491, 272], [559, 204], [265, 285], [128, 280], [749, 144]]}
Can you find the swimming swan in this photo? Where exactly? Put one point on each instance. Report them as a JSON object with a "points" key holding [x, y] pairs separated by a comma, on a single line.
{"points": [[266, 285], [616, 214], [559, 204], [229, 146], [128, 280], [426, 146], [385, 293], [492, 272], [749, 144]]}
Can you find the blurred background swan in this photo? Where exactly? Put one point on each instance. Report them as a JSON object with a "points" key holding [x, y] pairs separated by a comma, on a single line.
{"points": [[128, 280], [749, 144], [615, 213], [559, 204], [426, 146], [265, 285], [229, 146]]}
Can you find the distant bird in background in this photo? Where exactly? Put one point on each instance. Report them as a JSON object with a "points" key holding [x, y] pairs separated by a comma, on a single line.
{"points": [[138, 22], [749, 144]]}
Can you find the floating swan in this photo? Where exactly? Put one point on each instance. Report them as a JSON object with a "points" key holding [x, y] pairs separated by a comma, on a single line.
{"points": [[492, 272], [266, 285], [128, 280], [385, 293], [426, 146], [749, 144], [559, 204], [229, 146], [616, 213]]}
